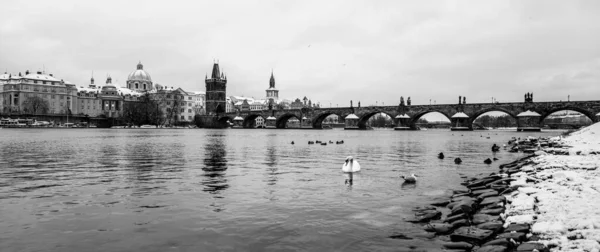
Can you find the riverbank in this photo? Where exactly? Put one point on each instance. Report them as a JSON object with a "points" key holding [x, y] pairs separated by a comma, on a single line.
{"points": [[558, 193], [544, 202]]}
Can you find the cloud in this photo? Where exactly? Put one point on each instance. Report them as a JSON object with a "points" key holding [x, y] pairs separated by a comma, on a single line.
{"points": [[332, 52]]}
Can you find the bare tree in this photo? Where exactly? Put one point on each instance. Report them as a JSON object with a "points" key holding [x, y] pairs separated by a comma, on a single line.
{"points": [[146, 110], [36, 105], [174, 102]]}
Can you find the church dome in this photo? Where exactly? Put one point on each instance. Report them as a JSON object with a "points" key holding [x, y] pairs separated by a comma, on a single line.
{"points": [[139, 74]]}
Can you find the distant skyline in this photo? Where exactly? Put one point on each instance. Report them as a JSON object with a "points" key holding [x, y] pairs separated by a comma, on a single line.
{"points": [[330, 51]]}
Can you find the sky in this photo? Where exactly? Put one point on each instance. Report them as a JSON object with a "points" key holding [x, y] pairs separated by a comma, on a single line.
{"points": [[329, 51]]}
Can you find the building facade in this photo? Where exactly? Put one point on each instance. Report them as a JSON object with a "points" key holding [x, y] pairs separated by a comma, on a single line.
{"points": [[43, 95], [35, 94]]}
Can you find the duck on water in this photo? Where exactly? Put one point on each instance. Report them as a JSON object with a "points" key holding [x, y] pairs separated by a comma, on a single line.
{"points": [[410, 179]]}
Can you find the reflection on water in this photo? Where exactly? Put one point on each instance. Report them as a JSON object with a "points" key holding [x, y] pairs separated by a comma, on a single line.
{"points": [[271, 162], [215, 165], [226, 190]]}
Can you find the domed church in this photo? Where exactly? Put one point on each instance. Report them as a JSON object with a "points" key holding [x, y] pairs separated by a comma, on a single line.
{"points": [[139, 80]]}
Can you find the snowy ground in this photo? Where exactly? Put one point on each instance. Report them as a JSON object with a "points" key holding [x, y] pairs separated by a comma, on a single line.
{"points": [[559, 195]]}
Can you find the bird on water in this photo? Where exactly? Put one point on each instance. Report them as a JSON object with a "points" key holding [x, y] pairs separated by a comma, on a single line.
{"points": [[410, 179], [349, 167]]}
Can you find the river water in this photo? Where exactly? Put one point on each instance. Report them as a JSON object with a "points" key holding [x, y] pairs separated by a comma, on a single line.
{"points": [[227, 190]]}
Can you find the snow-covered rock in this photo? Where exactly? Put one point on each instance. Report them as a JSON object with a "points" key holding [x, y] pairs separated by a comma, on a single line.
{"points": [[563, 203]]}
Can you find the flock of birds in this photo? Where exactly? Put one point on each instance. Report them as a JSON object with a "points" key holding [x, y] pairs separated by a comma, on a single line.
{"points": [[495, 148], [351, 166], [323, 143]]}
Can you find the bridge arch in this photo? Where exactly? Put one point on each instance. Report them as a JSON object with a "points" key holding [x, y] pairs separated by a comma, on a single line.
{"points": [[249, 121], [417, 116], [282, 120], [493, 109], [588, 114], [224, 121], [317, 122], [362, 120]]}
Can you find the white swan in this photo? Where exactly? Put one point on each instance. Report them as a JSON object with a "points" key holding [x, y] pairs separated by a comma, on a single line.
{"points": [[350, 165], [410, 179]]}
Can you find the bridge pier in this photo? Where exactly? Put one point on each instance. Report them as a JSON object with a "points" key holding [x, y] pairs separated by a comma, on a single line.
{"points": [[351, 122], [528, 121], [402, 122], [271, 122], [238, 122], [460, 122]]}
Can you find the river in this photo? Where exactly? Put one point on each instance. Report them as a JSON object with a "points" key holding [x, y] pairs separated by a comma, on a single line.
{"points": [[227, 190]]}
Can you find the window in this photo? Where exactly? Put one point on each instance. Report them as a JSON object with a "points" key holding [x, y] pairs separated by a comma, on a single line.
{"points": [[190, 118], [53, 96], [168, 96], [189, 104], [136, 86], [182, 117], [182, 110], [189, 110], [168, 103], [189, 98]]}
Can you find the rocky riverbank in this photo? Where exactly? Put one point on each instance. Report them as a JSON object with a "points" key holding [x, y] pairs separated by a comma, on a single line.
{"points": [[548, 201]]}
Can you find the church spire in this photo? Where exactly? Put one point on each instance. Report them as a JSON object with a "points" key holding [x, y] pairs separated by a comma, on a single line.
{"points": [[140, 66], [272, 80]]}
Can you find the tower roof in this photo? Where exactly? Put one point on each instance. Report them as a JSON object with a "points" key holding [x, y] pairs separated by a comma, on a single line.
{"points": [[216, 74], [272, 80]]}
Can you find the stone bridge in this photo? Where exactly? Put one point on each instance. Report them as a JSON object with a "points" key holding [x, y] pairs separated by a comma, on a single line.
{"points": [[405, 116]]}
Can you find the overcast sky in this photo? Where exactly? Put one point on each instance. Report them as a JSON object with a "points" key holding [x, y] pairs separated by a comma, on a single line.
{"points": [[329, 51]]}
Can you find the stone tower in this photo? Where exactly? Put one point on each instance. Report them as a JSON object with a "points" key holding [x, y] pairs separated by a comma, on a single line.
{"points": [[216, 86]]}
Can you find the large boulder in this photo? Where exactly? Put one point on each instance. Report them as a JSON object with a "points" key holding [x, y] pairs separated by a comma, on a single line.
{"points": [[465, 206], [455, 218], [492, 200], [458, 245], [481, 182], [517, 228], [492, 211], [439, 228], [461, 198], [483, 218], [499, 242], [492, 248], [471, 235], [517, 236], [479, 192], [495, 226], [488, 194], [532, 246], [460, 223]]}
